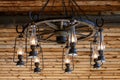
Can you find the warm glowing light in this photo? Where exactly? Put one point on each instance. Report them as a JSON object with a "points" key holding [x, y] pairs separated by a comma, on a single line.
{"points": [[20, 51], [33, 40], [101, 46], [36, 60], [95, 56], [95, 51], [74, 38], [67, 60]]}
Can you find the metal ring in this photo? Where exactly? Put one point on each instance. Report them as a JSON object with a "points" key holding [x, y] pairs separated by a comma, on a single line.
{"points": [[18, 30], [101, 24]]}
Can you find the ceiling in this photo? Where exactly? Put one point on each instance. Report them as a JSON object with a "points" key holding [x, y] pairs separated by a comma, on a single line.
{"points": [[93, 7], [17, 11]]}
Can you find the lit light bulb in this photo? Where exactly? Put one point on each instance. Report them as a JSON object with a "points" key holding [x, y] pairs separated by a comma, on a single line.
{"points": [[36, 60], [33, 37], [20, 47], [95, 56], [67, 60], [33, 40], [72, 36], [94, 51], [101, 46], [20, 51]]}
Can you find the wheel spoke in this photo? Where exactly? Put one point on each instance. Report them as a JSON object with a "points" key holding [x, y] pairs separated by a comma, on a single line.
{"points": [[81, 34], [82, 27], [44, 32], [51, 25], [61, 26], [73, 25], [52, 34], [84, 36]]}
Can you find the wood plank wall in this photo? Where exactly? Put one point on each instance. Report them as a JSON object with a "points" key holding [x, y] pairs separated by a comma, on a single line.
{"points": [[52, 57]]}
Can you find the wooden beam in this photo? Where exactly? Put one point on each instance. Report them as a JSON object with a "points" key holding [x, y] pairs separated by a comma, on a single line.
{"points": [[91, 8], [110, 20], [39, 3], [35, 6]]}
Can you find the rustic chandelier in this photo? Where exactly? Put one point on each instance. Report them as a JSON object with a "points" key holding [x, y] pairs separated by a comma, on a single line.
{"points": [[65, 27]]}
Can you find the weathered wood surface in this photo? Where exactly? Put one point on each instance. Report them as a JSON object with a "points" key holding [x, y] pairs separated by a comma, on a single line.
{"points": [[90, 7], [52, 58]]}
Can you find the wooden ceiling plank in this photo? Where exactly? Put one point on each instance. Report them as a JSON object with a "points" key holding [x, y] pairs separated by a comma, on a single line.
{"points": [[36, 9], [40, 3]]}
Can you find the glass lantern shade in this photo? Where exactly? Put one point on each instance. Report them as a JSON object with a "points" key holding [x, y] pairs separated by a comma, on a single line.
{"points": [[72, 36], [72, 51], [67, 60], [94, 51], [33, 37], [20, 46], [101, 46], [36, 60], [33, 40], [20, 51], [68, 69]]}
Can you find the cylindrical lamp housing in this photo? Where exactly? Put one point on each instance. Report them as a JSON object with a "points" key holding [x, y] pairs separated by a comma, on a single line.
{"points": [[61, 39], [101, 56], [68, 69], [37, 69], [33, 53], [73, 50], [20, 63]]}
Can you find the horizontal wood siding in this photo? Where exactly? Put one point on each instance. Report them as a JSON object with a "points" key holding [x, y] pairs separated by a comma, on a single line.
{"points": [[52, 57]]}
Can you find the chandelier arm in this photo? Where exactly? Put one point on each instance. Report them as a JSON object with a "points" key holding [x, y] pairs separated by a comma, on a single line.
{"points": [[82, 11], [72, 11], [52, 5], [76, 12], [64, 8], [36, 17], [43, 8]]}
